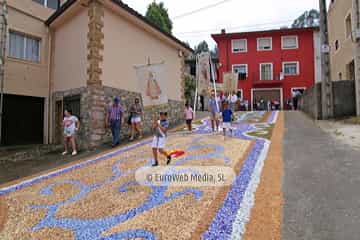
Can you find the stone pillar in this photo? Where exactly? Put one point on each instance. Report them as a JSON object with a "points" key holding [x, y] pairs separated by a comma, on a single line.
{"points": [[183, 78], [95, 95]]}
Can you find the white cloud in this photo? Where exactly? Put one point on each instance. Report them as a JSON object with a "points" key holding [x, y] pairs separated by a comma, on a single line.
{"points": [[234, 15]]}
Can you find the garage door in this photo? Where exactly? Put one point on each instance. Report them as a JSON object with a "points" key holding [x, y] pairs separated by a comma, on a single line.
{"points": [[272, 95], [23, 120]]}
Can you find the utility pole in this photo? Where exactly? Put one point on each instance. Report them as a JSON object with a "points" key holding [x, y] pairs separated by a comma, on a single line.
{"points": [[3, 34], [356, 34], [326, 86]]}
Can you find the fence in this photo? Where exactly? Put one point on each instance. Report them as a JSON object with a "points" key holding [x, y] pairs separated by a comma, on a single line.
{"points": [[343, 99]]}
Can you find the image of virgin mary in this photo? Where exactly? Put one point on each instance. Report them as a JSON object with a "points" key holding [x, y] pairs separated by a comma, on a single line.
{"points": [[153, 90]]}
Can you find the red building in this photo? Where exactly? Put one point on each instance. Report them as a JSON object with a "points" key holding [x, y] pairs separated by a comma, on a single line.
{"points": [[270, 64]]}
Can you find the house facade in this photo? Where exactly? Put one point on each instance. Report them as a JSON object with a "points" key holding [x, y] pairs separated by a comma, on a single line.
{"points": [[270, 64], [342, 54], [81, 56], [26, 84]]}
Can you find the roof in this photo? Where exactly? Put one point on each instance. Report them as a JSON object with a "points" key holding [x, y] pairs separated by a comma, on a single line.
{"points": [[128, 9], [265, 31]]}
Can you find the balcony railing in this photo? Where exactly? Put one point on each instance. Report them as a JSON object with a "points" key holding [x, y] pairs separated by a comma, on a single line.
{"points": [[255, 77]]}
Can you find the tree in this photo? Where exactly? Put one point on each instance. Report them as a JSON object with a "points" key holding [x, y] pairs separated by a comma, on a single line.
{"points": [[158, 15], [201, 47], [307, 19], [189, 88], [204, 47], [215, 52]]}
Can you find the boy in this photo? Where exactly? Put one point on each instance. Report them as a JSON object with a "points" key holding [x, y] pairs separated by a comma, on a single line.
{"points": [[189, 115], [161, 127], [227, 117]]}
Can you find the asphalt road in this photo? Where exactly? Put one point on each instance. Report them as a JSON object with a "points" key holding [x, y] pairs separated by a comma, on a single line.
{"points": [[321, 184]]}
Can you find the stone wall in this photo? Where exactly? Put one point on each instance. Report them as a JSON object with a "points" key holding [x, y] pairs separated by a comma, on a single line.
{"points": [[93, 105], [174, 108], [343, 99], [310, 101]]}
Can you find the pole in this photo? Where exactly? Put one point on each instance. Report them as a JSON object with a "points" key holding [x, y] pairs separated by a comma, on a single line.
{"points": [[196, 84], [326, 86], [356, 31], [3, 16], [213, 77]]}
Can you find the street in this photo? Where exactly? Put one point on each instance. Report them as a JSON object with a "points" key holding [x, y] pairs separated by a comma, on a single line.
{"points": [[304, 194]]}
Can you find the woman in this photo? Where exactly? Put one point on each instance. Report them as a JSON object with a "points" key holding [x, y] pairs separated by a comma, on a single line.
{"points": [[189, 115], [136, 114], [71, 125]]}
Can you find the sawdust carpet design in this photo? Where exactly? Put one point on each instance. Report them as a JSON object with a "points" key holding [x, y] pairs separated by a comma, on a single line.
{"points": [[100, 199]]}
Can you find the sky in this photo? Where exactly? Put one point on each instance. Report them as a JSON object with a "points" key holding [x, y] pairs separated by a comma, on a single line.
{"points": [[233, 15]]}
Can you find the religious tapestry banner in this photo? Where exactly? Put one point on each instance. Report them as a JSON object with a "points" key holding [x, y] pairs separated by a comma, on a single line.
{"points": [[152, 84]]}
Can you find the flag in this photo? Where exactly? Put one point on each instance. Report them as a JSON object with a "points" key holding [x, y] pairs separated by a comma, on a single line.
{"points": [[203, 73], [152, 84], [230, 82]]}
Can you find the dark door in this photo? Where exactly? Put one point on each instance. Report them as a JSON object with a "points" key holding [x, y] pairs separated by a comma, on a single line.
{"points": [[73, 103], [23, 120]]}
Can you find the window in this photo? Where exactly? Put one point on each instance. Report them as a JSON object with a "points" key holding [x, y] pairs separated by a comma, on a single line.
{"points": [[264, 44], [48, 3], [239, 45], [290, 68], [348, 26], [23, 47], [266, 71], [337, 44], [241, 70], [289, 42]]}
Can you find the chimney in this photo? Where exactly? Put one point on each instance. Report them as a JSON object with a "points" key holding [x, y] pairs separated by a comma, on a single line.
{"points": [[223, 31]]}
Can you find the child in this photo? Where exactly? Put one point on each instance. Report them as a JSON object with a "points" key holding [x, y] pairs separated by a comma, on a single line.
{"points": [[189, 115], [71, 125], [227, 115], [161, 127]]}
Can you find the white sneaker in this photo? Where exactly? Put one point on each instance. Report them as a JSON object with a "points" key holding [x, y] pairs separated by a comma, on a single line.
{"points": [[64, 153], [74, 153]]}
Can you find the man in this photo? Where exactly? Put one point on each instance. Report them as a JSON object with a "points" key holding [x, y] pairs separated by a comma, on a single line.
{"points": [[233, 101], [213, 108], [115, 117], [296, 94]]}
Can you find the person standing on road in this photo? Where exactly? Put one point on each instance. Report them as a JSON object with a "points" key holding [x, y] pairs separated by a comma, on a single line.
{"points": [[136, 114], [213, 107], [71, 125], [233, 101], [189, 115], [114, 120], [227, 116], [161, 126]]}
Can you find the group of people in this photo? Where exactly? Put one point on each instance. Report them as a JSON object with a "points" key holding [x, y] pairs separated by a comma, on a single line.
{"points": [[266, 105], [217, 107], [116, 118]]}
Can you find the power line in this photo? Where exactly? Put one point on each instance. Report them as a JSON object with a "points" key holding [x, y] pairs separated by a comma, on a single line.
{"points": [[245, 28], [200, 9], [233, 28]]}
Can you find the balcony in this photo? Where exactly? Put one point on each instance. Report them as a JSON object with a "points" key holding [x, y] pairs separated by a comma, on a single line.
{"points": [[276, 82]]}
